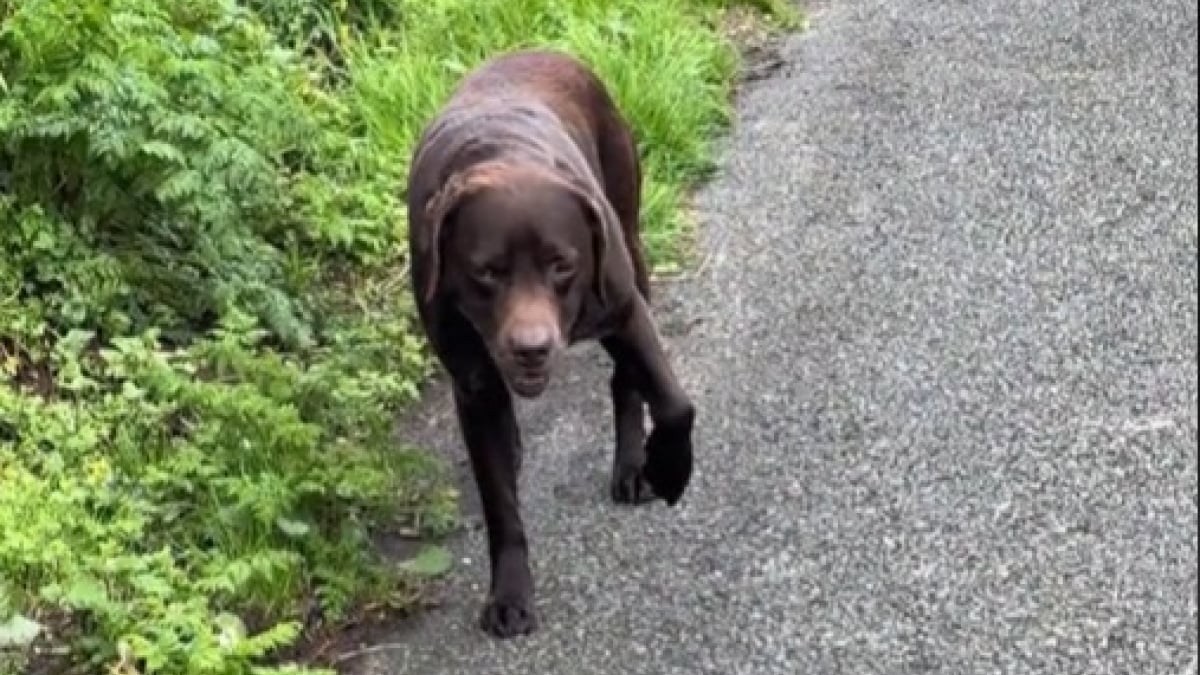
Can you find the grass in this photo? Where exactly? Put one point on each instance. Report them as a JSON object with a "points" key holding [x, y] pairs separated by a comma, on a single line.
{"points": [[204, 328], [665, 62]]}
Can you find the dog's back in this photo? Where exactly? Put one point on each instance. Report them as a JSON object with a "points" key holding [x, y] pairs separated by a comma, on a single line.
{"points": [[520, 102], [557, 80], [547, 106]]}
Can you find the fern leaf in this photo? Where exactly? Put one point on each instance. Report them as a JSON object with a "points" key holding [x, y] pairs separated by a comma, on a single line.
{"points": [[179, 185], [164, 151]]}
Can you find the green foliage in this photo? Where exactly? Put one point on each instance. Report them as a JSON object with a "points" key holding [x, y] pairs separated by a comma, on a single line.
{"points": [[150, 501], [666, 64], [175, 138], [204, 324]]}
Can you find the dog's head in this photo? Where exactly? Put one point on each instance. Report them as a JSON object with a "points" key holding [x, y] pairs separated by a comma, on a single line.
{"points": [[517, 250]]}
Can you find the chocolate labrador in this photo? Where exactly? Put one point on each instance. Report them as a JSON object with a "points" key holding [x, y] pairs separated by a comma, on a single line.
{"points": [[523, 201]]}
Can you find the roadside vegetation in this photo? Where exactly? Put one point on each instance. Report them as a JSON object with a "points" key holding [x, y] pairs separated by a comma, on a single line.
{"points": [[205, 330]]}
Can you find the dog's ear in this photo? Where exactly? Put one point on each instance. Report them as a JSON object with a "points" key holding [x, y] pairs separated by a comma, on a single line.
{"points": [[439, 208], [602, 220]]}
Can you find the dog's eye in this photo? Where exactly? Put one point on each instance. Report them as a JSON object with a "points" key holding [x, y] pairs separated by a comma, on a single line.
{"points": [[562, 270], [487, 274]]}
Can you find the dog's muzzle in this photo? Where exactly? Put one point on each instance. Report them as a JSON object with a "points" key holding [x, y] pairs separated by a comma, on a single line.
{"points": [[531, 351]]}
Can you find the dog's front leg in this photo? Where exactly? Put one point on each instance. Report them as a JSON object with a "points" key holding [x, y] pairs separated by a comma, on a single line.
{"points": [[638, 353], [493, 442]]}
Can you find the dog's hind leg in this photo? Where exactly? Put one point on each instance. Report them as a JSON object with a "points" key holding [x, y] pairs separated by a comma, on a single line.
{"points": [[627, 485]]}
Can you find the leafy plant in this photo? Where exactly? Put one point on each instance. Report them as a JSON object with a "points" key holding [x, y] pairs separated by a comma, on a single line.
{"points": [[204, 325]]}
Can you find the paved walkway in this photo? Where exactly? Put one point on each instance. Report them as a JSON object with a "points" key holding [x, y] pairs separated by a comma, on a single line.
{"points": [[944, 353]]}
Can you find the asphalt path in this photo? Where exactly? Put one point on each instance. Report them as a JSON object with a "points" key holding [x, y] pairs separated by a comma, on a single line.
{"points": [[943, 344]]}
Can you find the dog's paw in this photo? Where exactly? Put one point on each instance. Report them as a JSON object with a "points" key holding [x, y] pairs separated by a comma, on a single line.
{"points": [[669, 462], [508, 618], [629, 486]]}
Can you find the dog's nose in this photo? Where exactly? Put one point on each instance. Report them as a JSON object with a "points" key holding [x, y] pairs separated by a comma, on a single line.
{"points": [[532, 345]]}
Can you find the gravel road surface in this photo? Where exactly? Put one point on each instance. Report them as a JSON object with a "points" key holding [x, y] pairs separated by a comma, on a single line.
{"points": [[943, 345]]}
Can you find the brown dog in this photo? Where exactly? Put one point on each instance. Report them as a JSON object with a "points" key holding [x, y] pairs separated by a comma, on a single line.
{"points": [[523, 203]]}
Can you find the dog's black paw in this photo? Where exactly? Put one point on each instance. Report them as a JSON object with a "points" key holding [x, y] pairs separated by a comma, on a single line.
{"points": [[629, 486], [508, 618], [669, 461]]}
